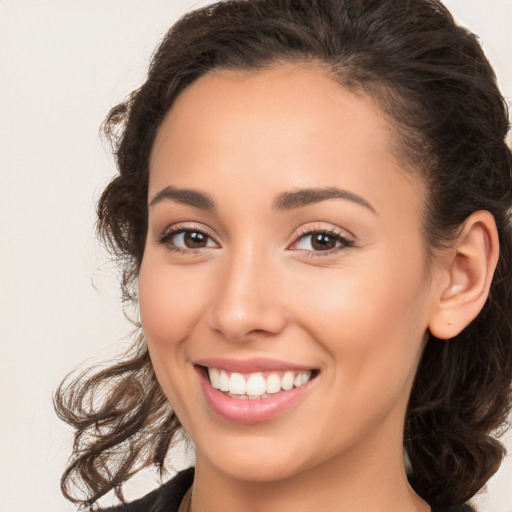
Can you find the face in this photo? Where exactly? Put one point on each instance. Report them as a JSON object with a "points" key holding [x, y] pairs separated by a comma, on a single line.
{"points": [[284, 290]]}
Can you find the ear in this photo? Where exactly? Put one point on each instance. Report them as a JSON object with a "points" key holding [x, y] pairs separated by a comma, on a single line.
{"points": [[467, 269]]}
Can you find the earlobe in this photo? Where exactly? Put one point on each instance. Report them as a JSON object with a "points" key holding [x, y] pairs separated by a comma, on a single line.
{"points": [[468, 268]]}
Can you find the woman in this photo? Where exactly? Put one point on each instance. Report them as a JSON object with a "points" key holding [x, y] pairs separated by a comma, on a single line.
{"points": [[312, 211]]}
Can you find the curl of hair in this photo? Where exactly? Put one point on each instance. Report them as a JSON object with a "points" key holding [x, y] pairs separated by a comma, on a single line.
{"points": [[439, 92]]}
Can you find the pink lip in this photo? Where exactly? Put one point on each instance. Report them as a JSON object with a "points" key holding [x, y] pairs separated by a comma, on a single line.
{"points": [[250, 365], [250, 411]]}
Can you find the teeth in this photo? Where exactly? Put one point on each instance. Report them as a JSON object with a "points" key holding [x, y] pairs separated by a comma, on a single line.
{"points": [[224, 381], [287, 381], [215, 377], [254, 385], [273, 383], [237, 384]]}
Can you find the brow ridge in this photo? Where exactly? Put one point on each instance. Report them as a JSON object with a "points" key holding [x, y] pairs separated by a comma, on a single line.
{"points": [[285, 201], [184, 196], [307, 196]]}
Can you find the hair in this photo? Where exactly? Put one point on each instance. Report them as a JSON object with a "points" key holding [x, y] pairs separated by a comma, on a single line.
{"points": [[432, 80]]}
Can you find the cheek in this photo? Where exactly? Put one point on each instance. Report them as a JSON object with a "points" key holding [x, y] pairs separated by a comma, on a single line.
{"points": [[371, 321], [170, 302], [169, 308]]}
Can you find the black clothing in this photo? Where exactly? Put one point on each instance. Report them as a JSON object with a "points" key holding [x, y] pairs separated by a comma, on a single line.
{"points": [[167, 498]]}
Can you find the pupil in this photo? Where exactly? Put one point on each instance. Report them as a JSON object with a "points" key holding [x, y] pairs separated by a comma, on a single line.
{"points": [[323, 242], [194, 239]]}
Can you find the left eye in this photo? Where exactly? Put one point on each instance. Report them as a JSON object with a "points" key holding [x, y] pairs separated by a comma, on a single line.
{"points": [[320, 241], [188, 239]]}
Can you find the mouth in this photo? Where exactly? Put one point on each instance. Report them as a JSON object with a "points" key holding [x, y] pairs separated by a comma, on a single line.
{"points": [[238, 395], [257, 385]]}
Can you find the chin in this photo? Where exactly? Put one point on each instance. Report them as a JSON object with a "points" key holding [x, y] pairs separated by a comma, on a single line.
{"points": [[263, 458], [252, 469]]}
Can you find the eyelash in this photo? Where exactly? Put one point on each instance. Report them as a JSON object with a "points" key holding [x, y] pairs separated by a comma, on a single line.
{"points": [[338, 237], [167, 237]]}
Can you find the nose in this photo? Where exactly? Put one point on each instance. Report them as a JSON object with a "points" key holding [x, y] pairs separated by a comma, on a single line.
{"points": [[246, 302]]}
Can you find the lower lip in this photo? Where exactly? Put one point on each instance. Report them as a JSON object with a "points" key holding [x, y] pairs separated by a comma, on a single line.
{"points": [[251, 411]]}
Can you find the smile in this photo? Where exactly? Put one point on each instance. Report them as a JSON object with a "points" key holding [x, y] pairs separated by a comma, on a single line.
{"points": [[256, 385], [253, 391]]}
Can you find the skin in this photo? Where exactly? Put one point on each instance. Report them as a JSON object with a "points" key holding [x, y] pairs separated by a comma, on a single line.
{"points": [[258, 288]]}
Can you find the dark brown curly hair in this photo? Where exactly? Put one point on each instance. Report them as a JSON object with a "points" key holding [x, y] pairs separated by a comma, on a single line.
{"points": [[433, 81]]}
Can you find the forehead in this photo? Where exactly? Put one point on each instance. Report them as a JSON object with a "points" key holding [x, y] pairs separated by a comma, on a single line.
{"points": [[287, 98], [282, 127]]}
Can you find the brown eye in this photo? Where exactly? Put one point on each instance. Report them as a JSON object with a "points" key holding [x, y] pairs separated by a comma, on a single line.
{"points": [[187, 239], [323, 242], [194, 239]]}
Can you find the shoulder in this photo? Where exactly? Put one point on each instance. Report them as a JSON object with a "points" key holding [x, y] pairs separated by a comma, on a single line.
{"points": [[166, 498]]}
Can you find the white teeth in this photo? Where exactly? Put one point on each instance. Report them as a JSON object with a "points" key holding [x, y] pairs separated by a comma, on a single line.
{"points": [[213, 373], [237, 384], [273, 383], [254, 385], [223, 381], [287, 381]]}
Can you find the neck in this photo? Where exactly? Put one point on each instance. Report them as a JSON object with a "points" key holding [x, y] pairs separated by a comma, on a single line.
{"points": [[365, 479]]}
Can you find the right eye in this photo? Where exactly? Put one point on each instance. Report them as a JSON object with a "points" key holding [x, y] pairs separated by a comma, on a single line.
{"points": [[181, 239]]}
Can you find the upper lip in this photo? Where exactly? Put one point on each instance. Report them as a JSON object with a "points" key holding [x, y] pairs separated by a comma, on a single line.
{"points": [[259, 364]]}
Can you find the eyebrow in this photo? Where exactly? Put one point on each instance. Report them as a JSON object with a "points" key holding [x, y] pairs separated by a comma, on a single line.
{"points": [[306, 196], [184, 196], [285, 201]]}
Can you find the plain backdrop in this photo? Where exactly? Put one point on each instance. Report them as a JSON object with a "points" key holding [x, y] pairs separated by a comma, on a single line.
{"points": [[63, 64]]}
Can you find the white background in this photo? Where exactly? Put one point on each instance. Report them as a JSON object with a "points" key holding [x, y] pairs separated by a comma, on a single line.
{"points": [[63, 64]]}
